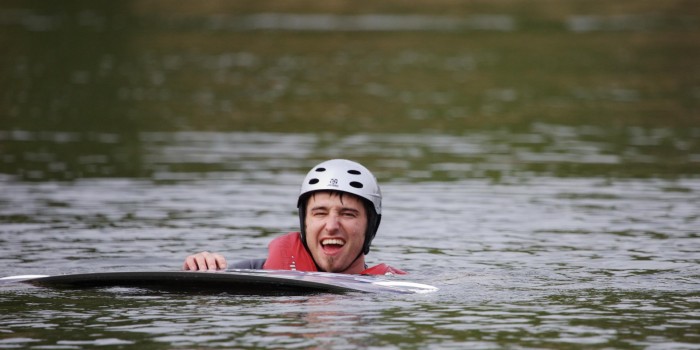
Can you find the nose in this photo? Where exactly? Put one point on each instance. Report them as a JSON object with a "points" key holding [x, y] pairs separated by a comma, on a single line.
{"points": [[332, 222]]}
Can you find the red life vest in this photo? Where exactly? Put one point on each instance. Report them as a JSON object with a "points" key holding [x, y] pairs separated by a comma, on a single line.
{"points": [[288, 253]]}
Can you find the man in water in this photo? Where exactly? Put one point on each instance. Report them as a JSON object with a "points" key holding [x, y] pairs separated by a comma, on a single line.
{"points": [[340, 206]]}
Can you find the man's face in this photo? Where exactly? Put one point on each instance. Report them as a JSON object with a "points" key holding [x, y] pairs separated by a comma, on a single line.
{"points": [[335, 231]]}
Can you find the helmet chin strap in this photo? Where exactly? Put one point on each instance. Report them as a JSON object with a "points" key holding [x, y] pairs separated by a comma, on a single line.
{"points": [[373, 221], [360, 254], [302, 231], [303, 241]]}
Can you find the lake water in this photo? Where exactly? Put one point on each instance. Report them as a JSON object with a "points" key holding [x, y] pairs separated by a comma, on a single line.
{"points": [[539, 164]]}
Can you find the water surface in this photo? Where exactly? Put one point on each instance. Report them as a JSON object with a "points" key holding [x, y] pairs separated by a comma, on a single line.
{"points": [[521, 259], [539, 163]]}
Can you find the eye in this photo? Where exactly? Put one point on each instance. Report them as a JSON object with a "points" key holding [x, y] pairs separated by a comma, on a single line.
{"points": [[349, 213], [318, 213]]}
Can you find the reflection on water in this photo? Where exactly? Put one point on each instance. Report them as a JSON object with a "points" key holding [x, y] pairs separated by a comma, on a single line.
{"points": [[371, 22], [128, 67], [539, 162], [542, 149]]}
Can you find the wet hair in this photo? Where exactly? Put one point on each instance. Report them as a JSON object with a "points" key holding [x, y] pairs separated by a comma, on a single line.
{"points": [[373, 219]]}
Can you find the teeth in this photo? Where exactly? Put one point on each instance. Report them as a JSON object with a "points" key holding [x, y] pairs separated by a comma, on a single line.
{"points": [[333, 241]]}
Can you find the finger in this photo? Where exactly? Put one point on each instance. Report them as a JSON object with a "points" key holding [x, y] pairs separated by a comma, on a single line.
{"points": [[201, 261], [190, 263], [210, 260], [220, 261]]}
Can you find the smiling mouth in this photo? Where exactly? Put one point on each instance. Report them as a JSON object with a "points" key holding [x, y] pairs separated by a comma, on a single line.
{"points": [[332, 245]]}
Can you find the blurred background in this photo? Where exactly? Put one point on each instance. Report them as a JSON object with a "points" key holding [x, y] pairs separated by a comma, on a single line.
{"points": [[84, 82]]}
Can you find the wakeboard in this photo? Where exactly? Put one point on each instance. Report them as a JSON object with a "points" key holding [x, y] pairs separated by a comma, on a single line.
{"points": [[245, 282]]}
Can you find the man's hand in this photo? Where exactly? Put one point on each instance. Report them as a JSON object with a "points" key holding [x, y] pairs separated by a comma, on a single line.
{"points": [[205, 261]]}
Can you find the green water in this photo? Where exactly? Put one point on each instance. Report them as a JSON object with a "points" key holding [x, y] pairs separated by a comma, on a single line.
{"points": [[539, 162], [122, 68]]}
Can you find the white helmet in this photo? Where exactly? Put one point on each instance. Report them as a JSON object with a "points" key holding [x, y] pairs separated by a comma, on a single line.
{"points": [[344, 176]]}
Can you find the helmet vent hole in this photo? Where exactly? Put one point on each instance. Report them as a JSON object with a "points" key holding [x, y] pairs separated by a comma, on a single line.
{"points": [[319, 170], [313, 181], [356, 184], [354, 172]]}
